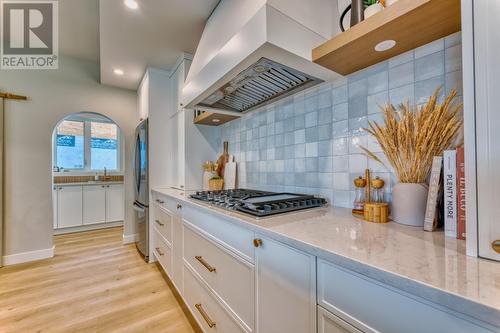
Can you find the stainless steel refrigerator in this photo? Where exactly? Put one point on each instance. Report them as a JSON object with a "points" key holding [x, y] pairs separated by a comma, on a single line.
{"points": [[141, 188]]}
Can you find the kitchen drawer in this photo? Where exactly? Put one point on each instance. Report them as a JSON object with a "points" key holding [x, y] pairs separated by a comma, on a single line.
{"points": [[229, 276], [373, 307], [330, 323], [209, 313], [166, 202], [237, 239], [163, 220], [163, 252]]}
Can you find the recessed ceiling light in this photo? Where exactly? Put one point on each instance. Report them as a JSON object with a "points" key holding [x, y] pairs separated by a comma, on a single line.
{"points": [[385, 45], [118, 71], [132, 4], [215, 120]]}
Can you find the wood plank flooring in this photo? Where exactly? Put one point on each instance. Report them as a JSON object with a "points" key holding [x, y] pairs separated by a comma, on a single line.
{"points": [[93, 284]]}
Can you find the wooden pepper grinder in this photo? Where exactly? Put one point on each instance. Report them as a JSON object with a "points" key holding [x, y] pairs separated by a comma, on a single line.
{"points": [[223, 159]]}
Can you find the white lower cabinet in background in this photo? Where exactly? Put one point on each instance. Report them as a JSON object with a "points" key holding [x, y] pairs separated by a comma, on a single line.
{"points": [[115, 203], [94, 204], [69, 206], [86, 205]]}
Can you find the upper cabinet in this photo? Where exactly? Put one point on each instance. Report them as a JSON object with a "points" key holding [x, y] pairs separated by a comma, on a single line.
{"points": [[408, 23]]}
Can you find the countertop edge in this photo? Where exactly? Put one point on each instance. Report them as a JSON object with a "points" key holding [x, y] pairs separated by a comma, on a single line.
{"points": [[414, 288]]}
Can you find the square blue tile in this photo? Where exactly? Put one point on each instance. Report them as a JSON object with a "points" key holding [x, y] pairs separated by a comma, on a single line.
{"points": [[429, 66], [401, 75], [312, 134], [311, 119]]}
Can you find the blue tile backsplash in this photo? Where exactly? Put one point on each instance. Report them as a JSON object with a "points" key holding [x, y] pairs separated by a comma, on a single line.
{"points": [[309, 142]]}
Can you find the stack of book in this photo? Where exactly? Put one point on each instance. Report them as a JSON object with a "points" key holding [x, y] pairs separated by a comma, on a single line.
{"points": [[446, 199]]}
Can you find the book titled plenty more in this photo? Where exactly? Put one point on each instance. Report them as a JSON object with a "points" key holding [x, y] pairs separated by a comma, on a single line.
{"points": [[454, 193], [446, 198]]}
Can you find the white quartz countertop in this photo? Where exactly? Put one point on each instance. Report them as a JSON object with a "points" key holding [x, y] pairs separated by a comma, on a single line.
{"points": [[89, 183], [425, 264]]}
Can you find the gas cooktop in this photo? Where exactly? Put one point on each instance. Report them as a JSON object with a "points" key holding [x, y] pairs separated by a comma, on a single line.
{"points": [[259, 203]]}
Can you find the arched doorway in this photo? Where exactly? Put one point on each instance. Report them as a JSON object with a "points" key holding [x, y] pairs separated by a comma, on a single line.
{"points": [[88, 171]]}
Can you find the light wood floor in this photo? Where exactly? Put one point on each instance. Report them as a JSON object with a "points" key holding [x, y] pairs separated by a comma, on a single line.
{"points": [[93, 284]]}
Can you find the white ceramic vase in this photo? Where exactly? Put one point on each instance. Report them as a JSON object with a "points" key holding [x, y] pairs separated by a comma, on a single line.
{"points": [[373, 9], [409, 202]]}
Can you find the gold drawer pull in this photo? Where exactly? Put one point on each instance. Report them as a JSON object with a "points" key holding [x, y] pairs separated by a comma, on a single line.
{"points": [[159, 252], [159, 223], [206, 264], [257, 242], [179, 206], [496, 245], [205, 316]]}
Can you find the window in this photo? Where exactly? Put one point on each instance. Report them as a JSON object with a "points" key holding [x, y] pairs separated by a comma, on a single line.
{"points": [[69, 141], [87, 144], [103, 146]]}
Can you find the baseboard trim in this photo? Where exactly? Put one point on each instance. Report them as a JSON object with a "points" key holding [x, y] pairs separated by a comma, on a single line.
{"points": [[88, 227], [19, 258], [129, 239]]}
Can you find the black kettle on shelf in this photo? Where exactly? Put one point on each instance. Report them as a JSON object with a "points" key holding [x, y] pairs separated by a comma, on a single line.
{"points": [[357, 9]]}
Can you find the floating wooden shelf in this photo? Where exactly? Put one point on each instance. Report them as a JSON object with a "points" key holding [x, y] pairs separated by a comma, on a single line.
{"points": [[411, 23], [214, 118]]}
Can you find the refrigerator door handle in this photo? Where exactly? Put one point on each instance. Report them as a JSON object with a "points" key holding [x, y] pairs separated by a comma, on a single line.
{"points": [[138, 208]]}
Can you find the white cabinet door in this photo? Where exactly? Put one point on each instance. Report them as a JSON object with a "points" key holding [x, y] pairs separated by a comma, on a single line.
{"points": [[94, 204], [286, 287], [69, 206], [54, 206], [487, 82], [115, 203]]}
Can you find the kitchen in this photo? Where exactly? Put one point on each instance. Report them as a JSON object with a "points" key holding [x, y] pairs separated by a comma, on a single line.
{"points": [[306, 231]]}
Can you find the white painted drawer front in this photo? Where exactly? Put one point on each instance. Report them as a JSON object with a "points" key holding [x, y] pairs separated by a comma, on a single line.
{"points": [[235, 238], [205, 308], [166, 202], [330, 323], [163, 252], [373, 307], [230, 277], [163, 222]]}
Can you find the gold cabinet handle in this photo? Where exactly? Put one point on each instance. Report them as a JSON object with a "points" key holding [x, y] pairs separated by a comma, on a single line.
{"points": [[159, 223], [496, 245], [159, 252], [161, 202], [206, 264], [257, 242], [205, 316], [179, 206]]}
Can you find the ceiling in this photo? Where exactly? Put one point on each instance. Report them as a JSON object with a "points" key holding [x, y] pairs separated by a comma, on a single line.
{"points": [[155, 34], [79, 29]]}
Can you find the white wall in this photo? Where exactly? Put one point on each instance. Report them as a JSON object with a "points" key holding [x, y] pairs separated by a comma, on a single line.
{"points": [[53, 94]]}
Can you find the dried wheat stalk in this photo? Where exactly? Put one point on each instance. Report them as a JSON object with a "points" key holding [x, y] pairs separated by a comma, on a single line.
{"points": [[411, 136]]}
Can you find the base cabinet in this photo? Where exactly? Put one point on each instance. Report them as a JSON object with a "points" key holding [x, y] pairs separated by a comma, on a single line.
{"points": [[94, 204], [87, 205], [286, 285], [272, 287], [69, 206]]}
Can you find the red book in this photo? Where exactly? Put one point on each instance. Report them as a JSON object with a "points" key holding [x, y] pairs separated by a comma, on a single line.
{"points": [[460, 193]]}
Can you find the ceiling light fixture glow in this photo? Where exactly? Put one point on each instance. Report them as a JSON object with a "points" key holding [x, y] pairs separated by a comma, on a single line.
{"points": [[118, 71], [385, 45], [215, 120], [132, 4]]}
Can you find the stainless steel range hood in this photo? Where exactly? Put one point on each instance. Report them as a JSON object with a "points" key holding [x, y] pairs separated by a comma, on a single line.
{"points": [[263, 82], [254, 52]]}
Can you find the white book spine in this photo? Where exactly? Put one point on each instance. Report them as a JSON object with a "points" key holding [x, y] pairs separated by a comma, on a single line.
{"points": [[450, 193]]}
